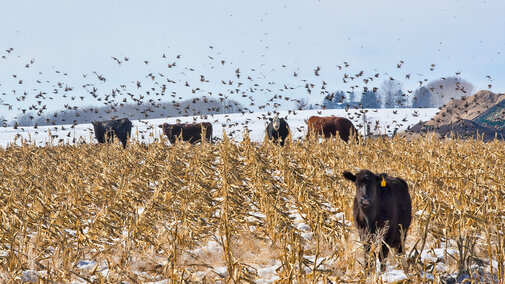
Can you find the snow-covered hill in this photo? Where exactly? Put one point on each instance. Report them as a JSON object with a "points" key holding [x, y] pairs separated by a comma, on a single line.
{"points": [[380, 121]]}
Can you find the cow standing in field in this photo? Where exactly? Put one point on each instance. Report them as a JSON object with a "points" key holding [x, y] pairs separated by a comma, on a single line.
{"points": [[188, 132], [122, 128], [278, 130], [328, 126], [382, 205]]}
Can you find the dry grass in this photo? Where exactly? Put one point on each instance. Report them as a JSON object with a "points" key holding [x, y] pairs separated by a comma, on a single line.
{"points": [[187, 212]]}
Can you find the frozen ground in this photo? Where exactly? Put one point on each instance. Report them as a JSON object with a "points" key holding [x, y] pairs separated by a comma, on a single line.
{"points": [[380, 121]]}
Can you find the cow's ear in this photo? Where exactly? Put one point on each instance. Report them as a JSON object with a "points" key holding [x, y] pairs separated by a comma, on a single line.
{"points": [[349, 176], [160, 126], [381, 176], [271, 119]]}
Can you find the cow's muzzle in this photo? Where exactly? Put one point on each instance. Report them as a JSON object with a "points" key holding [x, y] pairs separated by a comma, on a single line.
{"points": [[364, 202]]}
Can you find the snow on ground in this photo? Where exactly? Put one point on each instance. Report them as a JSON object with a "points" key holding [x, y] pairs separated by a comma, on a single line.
{"points": [[380, 121], [393, 275], [268, 274]]}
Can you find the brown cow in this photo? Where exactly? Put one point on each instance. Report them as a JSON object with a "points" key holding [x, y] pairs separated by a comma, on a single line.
{"points": [[188, 132], [382, 205], [329, 125]]}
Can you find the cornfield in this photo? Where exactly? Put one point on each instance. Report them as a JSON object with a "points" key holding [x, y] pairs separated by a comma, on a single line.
{"points": [[241, 212]]}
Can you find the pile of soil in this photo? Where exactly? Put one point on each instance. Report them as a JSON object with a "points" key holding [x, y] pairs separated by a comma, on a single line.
{"points": [[466, 108], [456, 118], [463, 128]]}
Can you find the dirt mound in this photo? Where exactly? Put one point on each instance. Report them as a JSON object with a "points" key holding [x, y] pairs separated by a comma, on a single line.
{"points": [[463, 129], [465, 108], [457, 115]]}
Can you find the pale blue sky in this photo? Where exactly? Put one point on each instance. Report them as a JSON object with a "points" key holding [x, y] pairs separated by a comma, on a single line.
{"points": [[79, 37]]}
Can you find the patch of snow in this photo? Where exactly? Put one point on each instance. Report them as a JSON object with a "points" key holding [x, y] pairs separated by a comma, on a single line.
{"points": [[340, 217], [212, 247], [393, 275], [321, 261], [297, 218], [303, 227], [257, 214], [420, 213], [438, 254], [104, 271], [200, 274], [165, 281], [427, 276], [496, 263], [329, 207], [73, 233], [268, 274], [29, 276], [140, 210], [221, 271], [86, 264], [307, 236]]}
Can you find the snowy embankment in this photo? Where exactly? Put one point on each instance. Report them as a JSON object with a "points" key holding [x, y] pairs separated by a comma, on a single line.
{"points": [[383, 121]]}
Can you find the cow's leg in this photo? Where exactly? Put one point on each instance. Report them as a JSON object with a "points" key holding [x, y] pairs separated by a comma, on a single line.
{"points": [[383, 256], [366, 248], [277, 139], [399, 248], [123, 141], [403, 236], [110, 136]]}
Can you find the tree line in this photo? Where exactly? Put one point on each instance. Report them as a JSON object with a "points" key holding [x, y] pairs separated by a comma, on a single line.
{"points": [[390, 95], [134, 111]]}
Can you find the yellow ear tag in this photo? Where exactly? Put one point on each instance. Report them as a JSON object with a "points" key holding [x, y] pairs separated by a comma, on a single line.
{"points": [[383, 182]]}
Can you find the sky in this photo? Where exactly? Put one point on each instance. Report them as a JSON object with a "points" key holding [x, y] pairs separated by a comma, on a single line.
{"points": [[267, 40]]}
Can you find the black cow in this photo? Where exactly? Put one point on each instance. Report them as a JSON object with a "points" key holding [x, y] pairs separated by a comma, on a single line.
{"points": [[278, 130], [382, 204], [121, 127], [188, 132]]}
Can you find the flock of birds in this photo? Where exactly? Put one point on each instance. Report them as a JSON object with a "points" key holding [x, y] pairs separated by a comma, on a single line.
{"points": [[242, 91]]}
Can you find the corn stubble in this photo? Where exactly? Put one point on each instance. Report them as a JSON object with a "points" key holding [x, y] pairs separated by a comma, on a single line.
{"points": [[149, 213]]}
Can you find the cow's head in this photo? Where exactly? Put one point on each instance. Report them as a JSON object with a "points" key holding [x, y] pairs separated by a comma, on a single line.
{"points": [[276, 123], [367, 186], [167, 129], [99, 131]]}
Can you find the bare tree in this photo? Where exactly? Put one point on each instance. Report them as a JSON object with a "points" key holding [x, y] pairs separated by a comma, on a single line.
{"points": [[24, 120], [391, 92], [302, 104], [370, 99], [422, 98], [445, 89], [134, 111], [352, 97], [3, 121]]}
